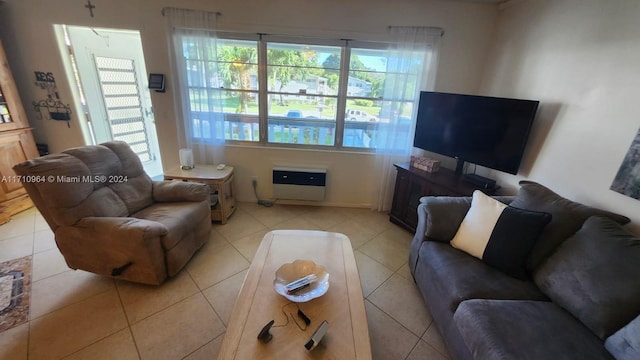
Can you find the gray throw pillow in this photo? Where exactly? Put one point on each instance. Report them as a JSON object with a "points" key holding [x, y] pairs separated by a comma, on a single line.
{"points": [[566, 218], [595, 275]]}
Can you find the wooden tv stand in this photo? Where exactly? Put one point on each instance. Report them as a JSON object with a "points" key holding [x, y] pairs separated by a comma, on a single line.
{"points": [[412, 184]]}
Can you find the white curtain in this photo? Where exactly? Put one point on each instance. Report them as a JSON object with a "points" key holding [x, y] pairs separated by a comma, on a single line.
{"points": [[199, 106], [411, 66]]}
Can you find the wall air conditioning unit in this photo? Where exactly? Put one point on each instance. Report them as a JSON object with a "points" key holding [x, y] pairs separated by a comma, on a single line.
{"points": [[293, 183]]}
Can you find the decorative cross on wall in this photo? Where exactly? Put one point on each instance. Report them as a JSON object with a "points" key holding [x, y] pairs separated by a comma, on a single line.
{"points": [[90, 6]]}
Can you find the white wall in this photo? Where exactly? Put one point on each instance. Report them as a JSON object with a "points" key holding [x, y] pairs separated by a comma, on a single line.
{"points": [[580, 58], [27, 32]]}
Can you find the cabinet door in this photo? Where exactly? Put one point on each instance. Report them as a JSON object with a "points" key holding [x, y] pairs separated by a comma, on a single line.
{"points": [[400, 195], [15, 147], [416, 188]]}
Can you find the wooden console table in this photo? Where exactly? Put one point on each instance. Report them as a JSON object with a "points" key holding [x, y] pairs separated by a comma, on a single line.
{"points": [[220, 182], [412, 184]]}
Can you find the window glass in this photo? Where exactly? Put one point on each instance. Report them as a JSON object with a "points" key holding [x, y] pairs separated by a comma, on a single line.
{"points": [[303, 85], [224, 83]]}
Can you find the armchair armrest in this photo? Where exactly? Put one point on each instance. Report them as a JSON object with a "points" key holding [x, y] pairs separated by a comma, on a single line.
{"points": [[122, 227], [123, 247], [170, 191]]}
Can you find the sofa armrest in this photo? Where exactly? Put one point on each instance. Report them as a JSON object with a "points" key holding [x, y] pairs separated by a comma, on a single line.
{"points": [[123, 247], [171, 191]]}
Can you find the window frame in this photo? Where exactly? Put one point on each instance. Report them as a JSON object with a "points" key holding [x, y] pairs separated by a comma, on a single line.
{"points": [[346, 46]]}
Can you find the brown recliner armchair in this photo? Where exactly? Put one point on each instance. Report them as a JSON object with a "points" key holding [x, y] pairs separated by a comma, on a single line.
{"points": [[110, 218]]}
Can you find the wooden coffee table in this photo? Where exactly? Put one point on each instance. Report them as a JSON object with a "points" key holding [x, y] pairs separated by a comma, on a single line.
{"points": [[258, 303]]}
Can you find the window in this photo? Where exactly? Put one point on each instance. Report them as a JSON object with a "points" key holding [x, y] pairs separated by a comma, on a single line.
{"points": [[224, 81], [277, 90]]}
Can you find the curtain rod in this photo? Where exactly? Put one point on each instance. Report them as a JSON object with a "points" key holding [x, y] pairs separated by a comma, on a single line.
{"points": [[425, 27], [216, 13]]}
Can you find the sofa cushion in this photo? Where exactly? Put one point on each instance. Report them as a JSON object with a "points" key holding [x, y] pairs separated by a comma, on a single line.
{"points": [[445, 214], [508, 329], [595, 275], [567, 218], [459, 277], [625, 343], [498, 234]]}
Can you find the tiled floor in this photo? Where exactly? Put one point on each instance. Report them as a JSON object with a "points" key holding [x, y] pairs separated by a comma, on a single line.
{"points": [[78, 315]]}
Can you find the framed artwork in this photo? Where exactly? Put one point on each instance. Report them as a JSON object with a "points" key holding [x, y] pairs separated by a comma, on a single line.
{"points": [[627, 180]]}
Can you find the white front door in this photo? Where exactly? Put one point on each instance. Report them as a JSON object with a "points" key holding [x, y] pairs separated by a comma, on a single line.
{"points": [[110, 65]]}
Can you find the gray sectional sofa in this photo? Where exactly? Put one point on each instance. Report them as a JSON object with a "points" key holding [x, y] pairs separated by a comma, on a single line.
{"points": [[581, 299]]}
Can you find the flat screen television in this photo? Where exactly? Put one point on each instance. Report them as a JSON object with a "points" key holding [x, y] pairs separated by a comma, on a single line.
{"points": [[487, 131]]}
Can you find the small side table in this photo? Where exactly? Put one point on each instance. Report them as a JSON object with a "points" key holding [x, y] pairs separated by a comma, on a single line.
{"points": [[220, 182]]}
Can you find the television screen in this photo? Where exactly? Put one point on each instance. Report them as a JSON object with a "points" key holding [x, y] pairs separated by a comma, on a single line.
{"points": [[486, 131]]}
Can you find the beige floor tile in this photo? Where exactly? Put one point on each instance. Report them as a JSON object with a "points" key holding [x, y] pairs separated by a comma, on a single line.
{"points": [[376, 221], [178, 330], [248, 245], [209, 351], [270, 216], [398, 234], [40, 222], [358, 233], [76, 326], [215, 239], [372, 273], [14, 343], [82, 316], [66, 288], [239, 225], [43, 240], [295, 224], [141, 301], [20, 224], [222, 296], [212, 265], [48, 263], [400, 299], [389, 339], [425, 351], [326, 217], [432, 337], [389, 252], [16, 247], [405, 272], [117, 346]]}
